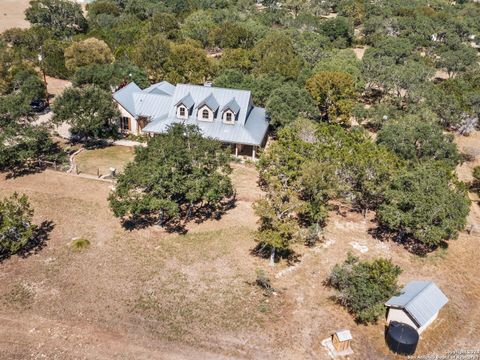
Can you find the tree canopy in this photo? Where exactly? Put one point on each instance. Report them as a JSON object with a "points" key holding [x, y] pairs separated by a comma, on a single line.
{"points": [[426, 205], [87, 52], [89, 110], [179, 176], [16, 228], [413, 139], [65, 18]]}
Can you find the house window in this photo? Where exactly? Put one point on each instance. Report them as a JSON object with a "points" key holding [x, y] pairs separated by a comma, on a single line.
{"points": [[182, 111], [124, 123], [205, 114], [228, 117]]}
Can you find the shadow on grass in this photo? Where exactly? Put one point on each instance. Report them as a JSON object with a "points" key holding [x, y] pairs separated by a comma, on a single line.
{"points": [[410, 244], [179, 224], [16, 172], [264, 251], [36, 243]]}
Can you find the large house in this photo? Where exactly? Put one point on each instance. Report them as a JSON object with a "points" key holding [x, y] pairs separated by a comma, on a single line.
{"points": [[227, 115]]}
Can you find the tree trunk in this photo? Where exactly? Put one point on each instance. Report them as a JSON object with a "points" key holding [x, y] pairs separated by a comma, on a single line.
{"points": [[272, 257]]}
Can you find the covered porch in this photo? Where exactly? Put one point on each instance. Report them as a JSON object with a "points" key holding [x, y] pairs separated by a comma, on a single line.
{"points": [[242, 150]]}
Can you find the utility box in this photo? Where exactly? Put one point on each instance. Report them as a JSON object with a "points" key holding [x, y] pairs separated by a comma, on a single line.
{"points": [[341, 340]]}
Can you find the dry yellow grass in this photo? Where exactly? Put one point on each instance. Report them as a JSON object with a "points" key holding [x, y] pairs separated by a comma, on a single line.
{"points": [[148, 294], [91, 161], [12, 14]]}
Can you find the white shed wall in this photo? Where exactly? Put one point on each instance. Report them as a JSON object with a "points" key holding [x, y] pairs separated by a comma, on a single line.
{"points": [[402, 317]]}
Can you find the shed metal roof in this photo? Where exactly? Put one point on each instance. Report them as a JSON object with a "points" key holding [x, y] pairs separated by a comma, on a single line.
{"points": [[420, 299], [344, 335]]}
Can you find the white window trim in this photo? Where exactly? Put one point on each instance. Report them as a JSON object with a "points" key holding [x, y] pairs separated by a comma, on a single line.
{"points": [[200, 114], [178, 112], [225, 117]]}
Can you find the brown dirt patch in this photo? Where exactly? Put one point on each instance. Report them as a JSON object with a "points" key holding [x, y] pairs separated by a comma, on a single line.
{"points": [[360, 52], [12, 14], [57, 86]]}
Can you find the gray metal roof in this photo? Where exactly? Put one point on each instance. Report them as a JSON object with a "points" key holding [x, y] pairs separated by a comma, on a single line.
{"points": [[151, 105], [232, 105], [124, 97], [235, 133], [420, 299], [210, 101], [187, 100], [249, 128], [161, 88], [222, 96]]}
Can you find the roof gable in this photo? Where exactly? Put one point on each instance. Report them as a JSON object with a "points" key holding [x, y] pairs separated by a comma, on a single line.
{"points": [[124, 97], [232, 105], [209, 101], [187, 100], [161, 88], [420, 299]]}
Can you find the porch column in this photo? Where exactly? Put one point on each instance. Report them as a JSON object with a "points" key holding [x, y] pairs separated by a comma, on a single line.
{"points": [[253, 152], [236, 150]]}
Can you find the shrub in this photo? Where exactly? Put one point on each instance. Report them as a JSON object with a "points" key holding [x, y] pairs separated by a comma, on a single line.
{"points": [[80, 244], [16, 227], [364, 286]]}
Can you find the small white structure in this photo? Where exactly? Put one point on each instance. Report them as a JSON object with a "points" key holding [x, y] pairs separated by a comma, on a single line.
{"points": [[338, 344], [417, 305]]}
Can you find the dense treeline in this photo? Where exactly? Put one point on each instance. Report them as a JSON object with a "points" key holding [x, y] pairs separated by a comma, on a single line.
{"points": [[417, 199], [285, 52]]}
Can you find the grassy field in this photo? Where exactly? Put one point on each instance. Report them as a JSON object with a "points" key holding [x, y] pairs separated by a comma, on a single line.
{"points": [[147, 294], [91, 161]]}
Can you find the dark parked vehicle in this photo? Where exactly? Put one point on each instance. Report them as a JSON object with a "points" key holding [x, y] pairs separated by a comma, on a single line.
{"points": [[39, 105]]}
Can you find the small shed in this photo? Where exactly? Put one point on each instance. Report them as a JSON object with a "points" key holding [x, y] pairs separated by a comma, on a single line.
{"points": [[342, 340], [417, 305], [338, 344]]}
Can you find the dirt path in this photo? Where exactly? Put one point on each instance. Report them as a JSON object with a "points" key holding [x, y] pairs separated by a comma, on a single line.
{"points": [[34, 337]]}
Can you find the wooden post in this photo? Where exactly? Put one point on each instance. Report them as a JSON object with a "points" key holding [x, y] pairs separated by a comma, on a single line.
{"points": [[236, 150], [253, 152]]}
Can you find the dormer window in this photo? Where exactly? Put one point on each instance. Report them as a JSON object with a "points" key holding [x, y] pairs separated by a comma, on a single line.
{"points": [[228, 117], [182, 112], [230, 112], [204, 113], [184, 107]]}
